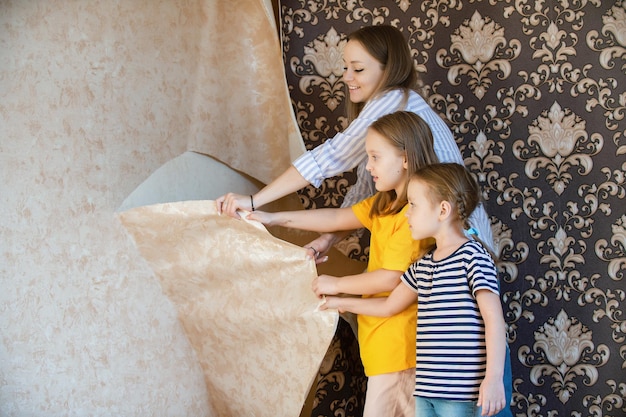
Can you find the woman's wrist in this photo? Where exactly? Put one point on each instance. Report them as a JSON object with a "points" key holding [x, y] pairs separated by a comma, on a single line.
{"points": [[330, 239]]}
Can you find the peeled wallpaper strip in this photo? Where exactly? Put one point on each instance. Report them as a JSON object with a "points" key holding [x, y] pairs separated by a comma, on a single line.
{"points": [[241, 112], [244, 299]]}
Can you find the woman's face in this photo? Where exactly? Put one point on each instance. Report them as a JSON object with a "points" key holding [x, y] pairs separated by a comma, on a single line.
{"points": [[362, 72]]}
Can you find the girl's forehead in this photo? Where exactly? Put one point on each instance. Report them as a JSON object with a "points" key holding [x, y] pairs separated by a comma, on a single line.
{"points": [[417, 186], [375, 139]]}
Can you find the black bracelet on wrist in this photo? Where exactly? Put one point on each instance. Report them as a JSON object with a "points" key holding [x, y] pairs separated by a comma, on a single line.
{"points": [[252, 202]]}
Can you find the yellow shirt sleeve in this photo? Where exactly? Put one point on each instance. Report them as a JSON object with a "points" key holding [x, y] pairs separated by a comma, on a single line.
{"points": [[362, 211]]}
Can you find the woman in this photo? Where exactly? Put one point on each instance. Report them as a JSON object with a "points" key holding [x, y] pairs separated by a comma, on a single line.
{"points": [[381, 78]]}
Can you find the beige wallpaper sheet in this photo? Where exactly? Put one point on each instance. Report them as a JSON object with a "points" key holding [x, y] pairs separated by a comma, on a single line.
{"points": [[245, 301], [240, 80]]}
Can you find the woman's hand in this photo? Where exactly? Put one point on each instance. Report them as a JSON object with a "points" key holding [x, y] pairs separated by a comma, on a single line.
{"points": [[231, 202], [318, 248]]}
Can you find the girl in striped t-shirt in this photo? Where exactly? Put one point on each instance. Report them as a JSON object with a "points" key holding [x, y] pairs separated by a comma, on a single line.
{"points": [[461, 343]]}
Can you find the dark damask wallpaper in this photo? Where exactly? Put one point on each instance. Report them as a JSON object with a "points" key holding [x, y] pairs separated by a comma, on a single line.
{"points": [[535, 93]]}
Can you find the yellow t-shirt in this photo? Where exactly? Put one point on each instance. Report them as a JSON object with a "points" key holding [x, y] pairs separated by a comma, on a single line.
{"points": [[387, 344]]}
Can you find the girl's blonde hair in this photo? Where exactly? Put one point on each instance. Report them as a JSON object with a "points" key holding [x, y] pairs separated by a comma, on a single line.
{"points": [[389, 47], [410, 134]]}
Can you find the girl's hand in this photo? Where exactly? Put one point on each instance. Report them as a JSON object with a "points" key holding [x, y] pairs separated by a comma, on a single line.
{"points": [[325, 285], [230, 203], [331, 303], [491, 396], [261, 217]]}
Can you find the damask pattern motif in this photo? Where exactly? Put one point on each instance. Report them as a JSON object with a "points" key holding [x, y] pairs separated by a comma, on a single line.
{"points": [[558, 142], [535, 94], [479, 48], [561, 345], [321, 67]]}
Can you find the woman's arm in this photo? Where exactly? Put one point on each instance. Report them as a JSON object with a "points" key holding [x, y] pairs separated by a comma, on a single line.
{"points": [[318, 220], [491, 396], [399, 300], [335, 156], [366, 283], [288, 182]]}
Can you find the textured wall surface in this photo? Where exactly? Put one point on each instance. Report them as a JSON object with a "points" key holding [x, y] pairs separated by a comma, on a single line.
{"points": [[95, 96], [534, 94]]}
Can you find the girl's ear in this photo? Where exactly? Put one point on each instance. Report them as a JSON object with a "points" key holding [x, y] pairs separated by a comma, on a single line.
{"points": [[445, 210], [405, 162]]}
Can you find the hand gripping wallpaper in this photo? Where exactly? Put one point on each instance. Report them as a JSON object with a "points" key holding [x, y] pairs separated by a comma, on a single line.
{"points": [[535, 94]]}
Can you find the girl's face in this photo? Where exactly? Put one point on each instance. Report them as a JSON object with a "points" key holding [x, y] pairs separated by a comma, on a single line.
{"points": [[386, 164], [362, 72], [422, 214]]}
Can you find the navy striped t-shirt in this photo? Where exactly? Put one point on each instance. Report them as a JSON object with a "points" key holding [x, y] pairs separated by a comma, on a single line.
{"points": [[451, 354]]}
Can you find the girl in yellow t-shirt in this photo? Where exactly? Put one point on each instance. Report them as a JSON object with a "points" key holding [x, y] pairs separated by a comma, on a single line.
{"points": [[397, 145]]}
